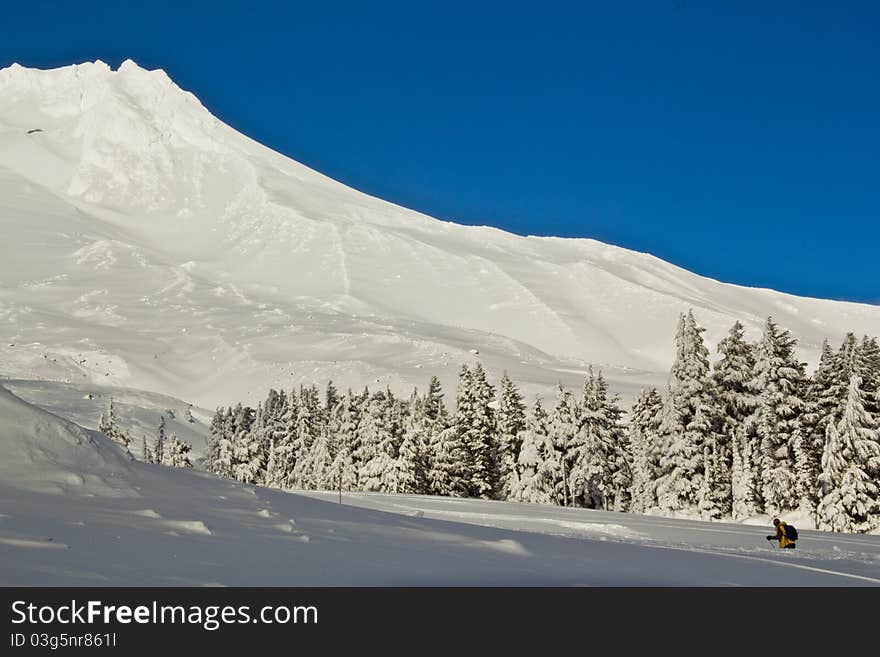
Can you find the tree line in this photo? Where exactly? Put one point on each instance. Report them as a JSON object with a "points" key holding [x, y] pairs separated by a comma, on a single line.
{"points": [[750, 433]]}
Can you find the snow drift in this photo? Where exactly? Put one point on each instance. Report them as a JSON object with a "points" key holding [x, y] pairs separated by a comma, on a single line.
{"points": [[43, 453]]}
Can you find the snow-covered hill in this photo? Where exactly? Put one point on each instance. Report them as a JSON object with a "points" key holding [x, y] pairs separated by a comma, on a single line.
{"points": [[76, 511], [148, 245], [137, 412], [44, 454]]}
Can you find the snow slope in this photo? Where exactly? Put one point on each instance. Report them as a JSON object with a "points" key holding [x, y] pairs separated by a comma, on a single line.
{"points": [[149, 245], [75, 510], [138, 412], [44, 454]]}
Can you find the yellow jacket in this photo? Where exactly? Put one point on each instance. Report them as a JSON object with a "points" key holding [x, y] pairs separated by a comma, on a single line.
{"points": [[781, 537]]}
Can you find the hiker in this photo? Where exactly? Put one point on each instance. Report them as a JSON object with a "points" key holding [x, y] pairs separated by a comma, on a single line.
{"points": [[785, 534]]}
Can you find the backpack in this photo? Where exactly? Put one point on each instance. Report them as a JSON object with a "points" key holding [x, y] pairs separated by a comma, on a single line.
{"points": [[790, 532]]}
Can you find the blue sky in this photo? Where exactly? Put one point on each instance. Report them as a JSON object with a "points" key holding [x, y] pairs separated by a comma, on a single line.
{"points": [[740, 140]]}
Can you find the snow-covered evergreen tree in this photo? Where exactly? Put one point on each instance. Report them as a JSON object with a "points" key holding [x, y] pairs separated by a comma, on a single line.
{"points": [[745, 484], [449, 474], [280, 433], [870, 374], [820, 408], [321, 458], [475, 421], [850, 500], [380, 444], [176, 453], [708, 504], [331, 401], [215, 432], [412, 462], [563, 430], [644, 429], [345, 424], [146, 453], [688, 420], [108, 426], [511, 423], [599, 472], [780, 378], [538, 463], [222, 450], [736, 400], [159, 445], [398, 410], [450, 458], [284, 452], [307, 431], [445, 454], [249, 437]]}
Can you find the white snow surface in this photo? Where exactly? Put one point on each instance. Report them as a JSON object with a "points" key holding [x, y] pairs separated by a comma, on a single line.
{"points": [[137, 412], [76, 510], [147, 245]]}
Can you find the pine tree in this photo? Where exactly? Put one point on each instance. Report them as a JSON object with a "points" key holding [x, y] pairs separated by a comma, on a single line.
{"points": [[159, 445], [331, 400], [820, 408], [380, 444], [146, 454], [687, 420], [475, 422], [644, 429], [108, 426], [283, 452], [563, 430], [222, 448], [599, 474], [246, 442], [449, 471], [511, 422], [436, 420], [850, 500], [538, 463], [870, 373], [215, 433], [708, 505], [280, 459], [398, 412], [307, 431], [176, 453], [345, 424], [321, 458], [780, 378], [744, 475], [736, 400], [445, 451], [412, 462]]}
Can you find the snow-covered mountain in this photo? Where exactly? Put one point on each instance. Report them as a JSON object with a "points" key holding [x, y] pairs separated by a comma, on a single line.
{"points": [[149, 245]]}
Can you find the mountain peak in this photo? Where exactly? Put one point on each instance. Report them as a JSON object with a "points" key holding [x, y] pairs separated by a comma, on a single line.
{"points": [[129, 139], [130, 64], [91, 79]]}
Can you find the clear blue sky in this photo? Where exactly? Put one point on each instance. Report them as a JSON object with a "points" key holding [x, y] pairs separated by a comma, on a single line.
{"points": [[740, 140]]}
